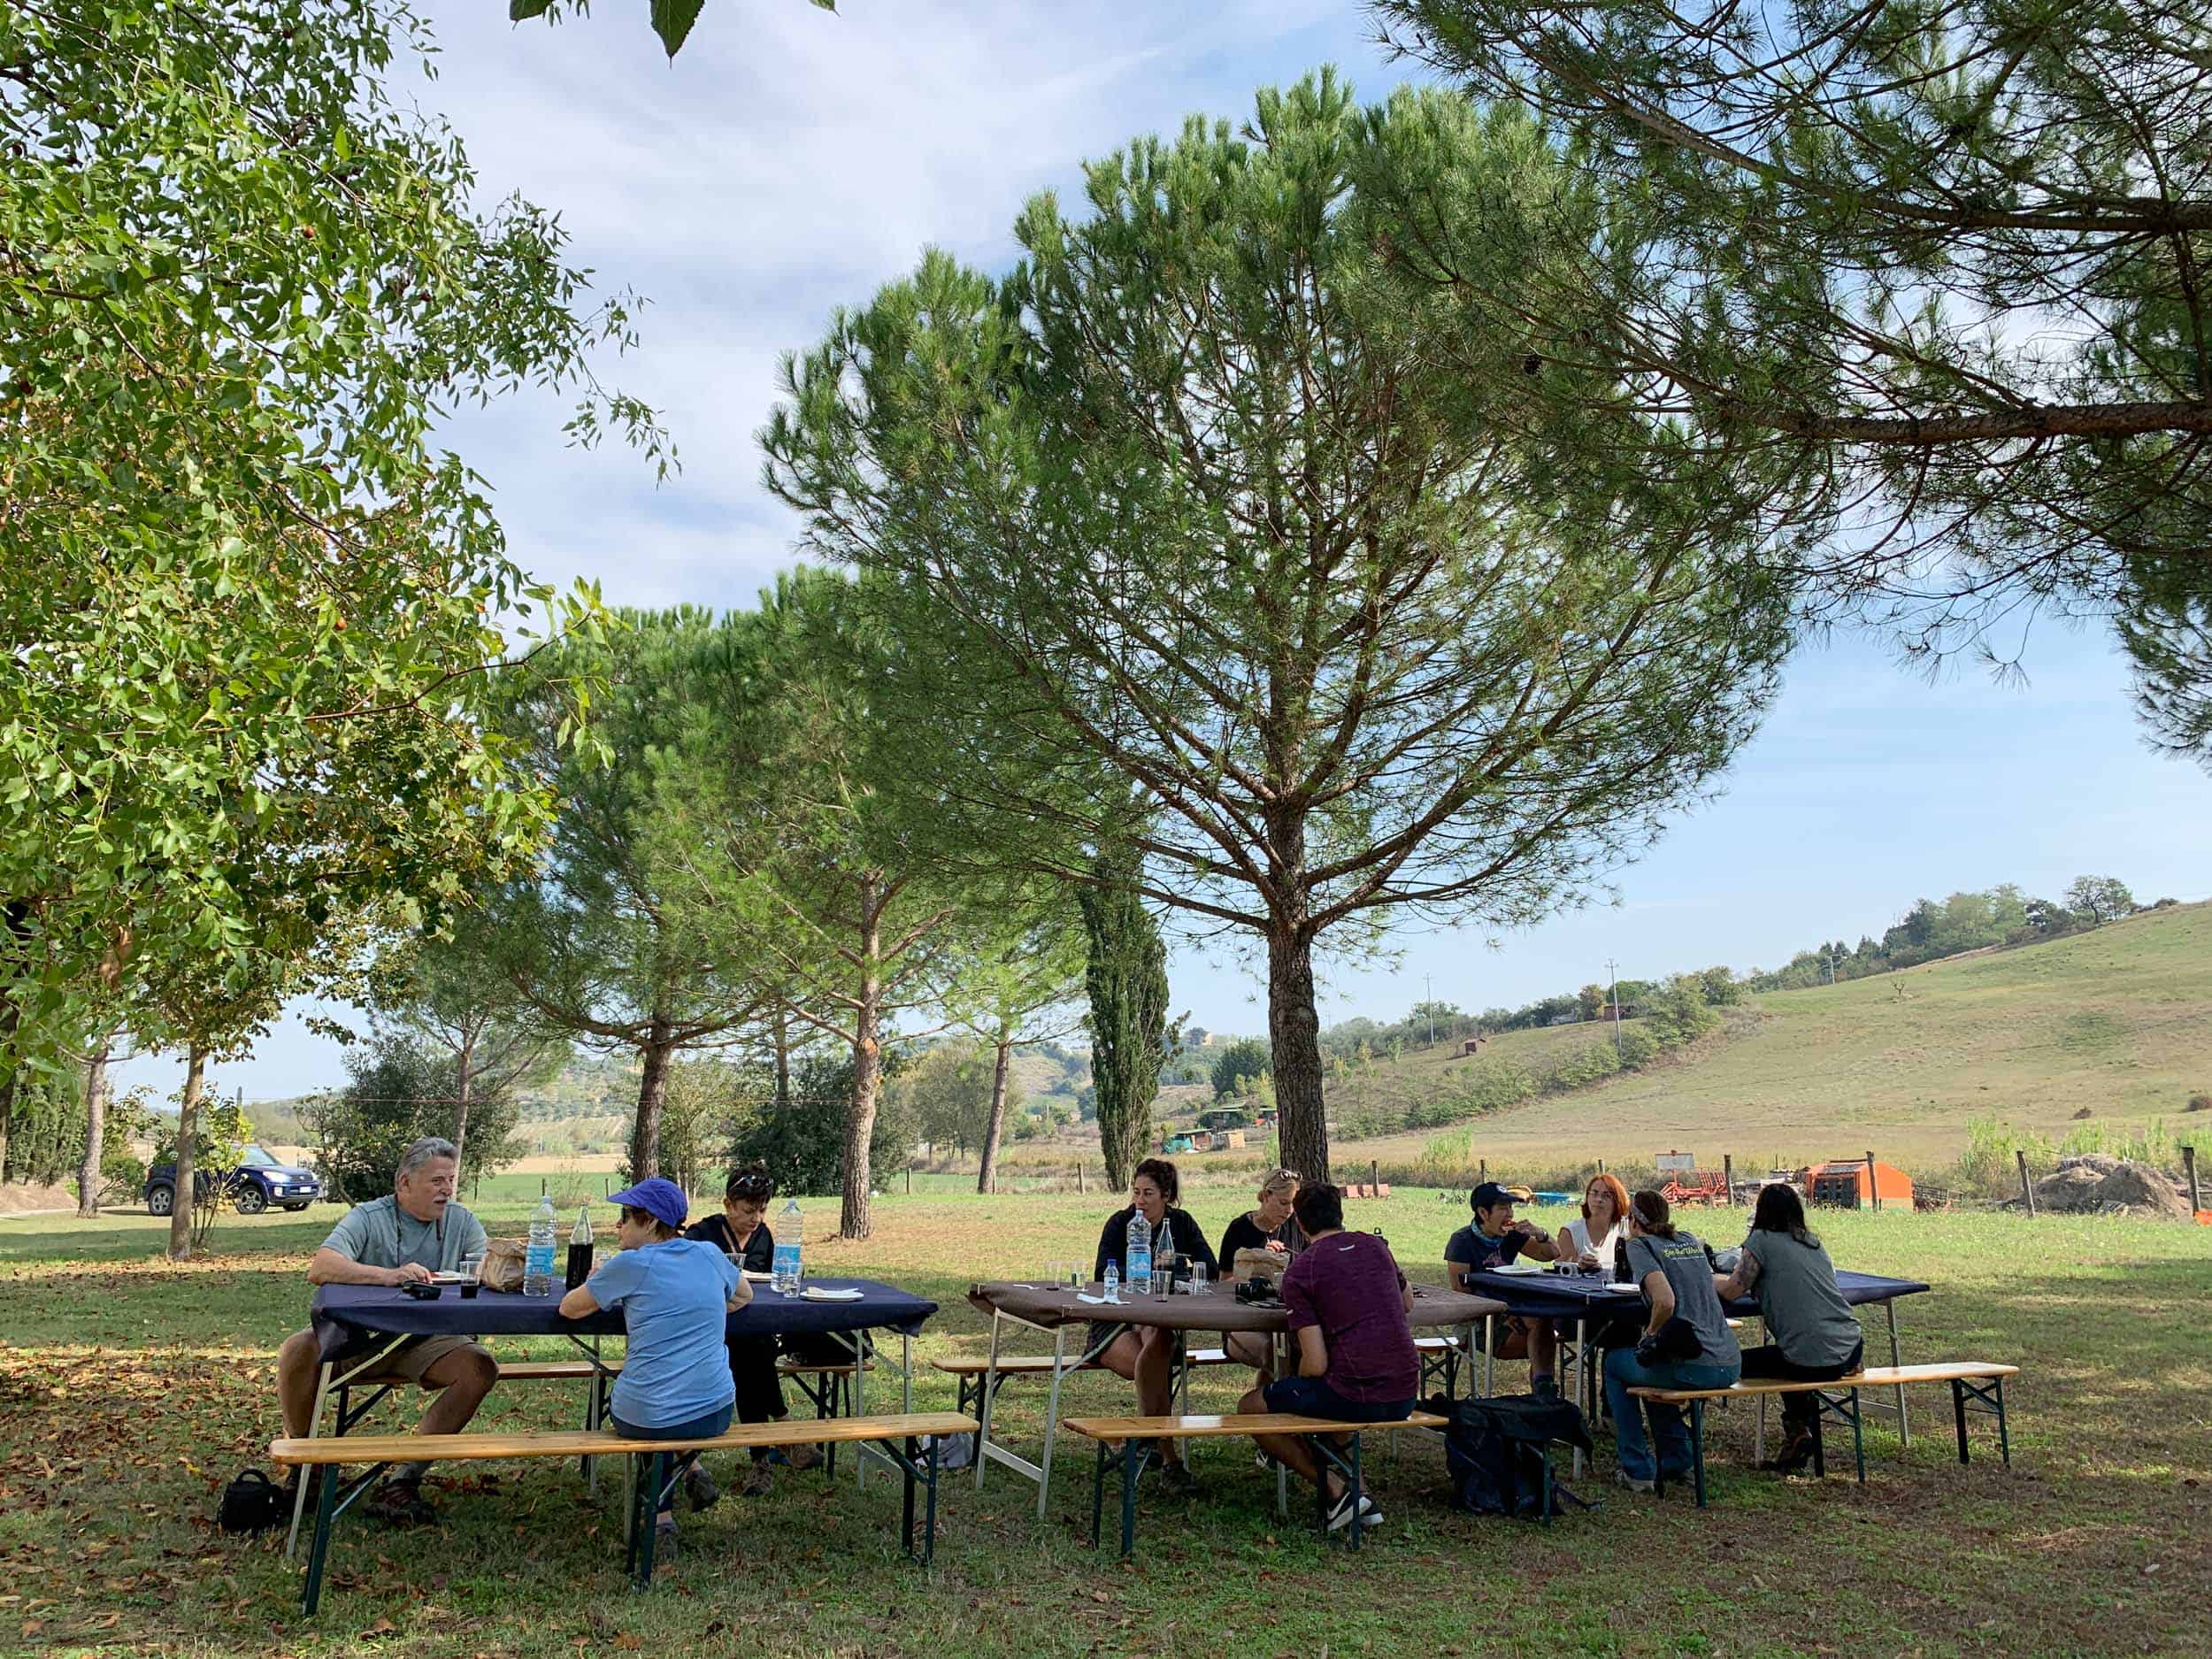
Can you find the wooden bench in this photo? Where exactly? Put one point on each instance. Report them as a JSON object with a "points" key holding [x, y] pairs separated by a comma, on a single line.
{"points": [[1437, 1353], [654, 1478], [1977, 1386], [1337, 1443]]}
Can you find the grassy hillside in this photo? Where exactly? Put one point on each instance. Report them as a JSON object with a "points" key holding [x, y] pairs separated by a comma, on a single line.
{"points": [[2117, 1021]]}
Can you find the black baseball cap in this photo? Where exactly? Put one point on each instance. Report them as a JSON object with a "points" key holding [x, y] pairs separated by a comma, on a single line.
{"points": [[1489, 1195]]}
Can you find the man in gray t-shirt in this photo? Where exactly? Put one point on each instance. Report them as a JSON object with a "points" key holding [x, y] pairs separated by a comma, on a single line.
{"points": [[416, 1231]]}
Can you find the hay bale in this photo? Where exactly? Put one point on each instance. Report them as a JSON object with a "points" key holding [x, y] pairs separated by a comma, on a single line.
{"points": [[2102, 1162], [2144, 1190]]}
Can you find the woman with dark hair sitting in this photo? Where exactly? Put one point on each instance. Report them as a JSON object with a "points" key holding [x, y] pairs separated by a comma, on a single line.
{"points": [[1686, 1343], [1145, 1355], [674, 1294], [1815, 1336]]}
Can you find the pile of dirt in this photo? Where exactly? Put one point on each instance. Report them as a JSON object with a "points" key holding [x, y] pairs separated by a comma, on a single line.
{"points": [[2095, 1182]]}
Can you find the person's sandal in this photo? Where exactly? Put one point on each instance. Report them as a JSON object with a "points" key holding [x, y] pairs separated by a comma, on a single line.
{"points": [[401, 1503]]}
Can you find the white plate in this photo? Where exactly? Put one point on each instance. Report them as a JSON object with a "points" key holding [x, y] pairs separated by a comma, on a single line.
{"points": [[1626, 1290], [1518, 1267], [814, 1293], [759, 1279]]}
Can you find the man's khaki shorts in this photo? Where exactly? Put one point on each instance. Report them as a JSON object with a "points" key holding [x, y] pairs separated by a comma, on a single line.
{"points": [[405, 1364]]}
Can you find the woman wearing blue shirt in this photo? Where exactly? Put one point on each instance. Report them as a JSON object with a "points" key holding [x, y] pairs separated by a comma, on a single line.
{"points": [[673, 1293]]}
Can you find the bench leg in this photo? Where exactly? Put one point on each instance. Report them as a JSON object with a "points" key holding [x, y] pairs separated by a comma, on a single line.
{"points": [[1132, 1462], [1904, 1427], [307, 1474], [1098, 1495], [2004, 1429], [906, 1507], [1958, 1415], [326, 1511], [1697, 1449], [1358, 1492], [1858, 1434], [1820, 1445]]}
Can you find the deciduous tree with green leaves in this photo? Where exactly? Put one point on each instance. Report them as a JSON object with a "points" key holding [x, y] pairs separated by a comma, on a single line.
{"points": [[251, 603], [1191, 499]]}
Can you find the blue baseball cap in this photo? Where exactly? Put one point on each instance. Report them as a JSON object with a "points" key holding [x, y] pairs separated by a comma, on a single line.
{"points": [[664, 1200]]}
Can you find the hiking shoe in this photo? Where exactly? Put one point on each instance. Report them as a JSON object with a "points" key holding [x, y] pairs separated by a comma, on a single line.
{"points": [[401, 1503], [1341, 1512], [1795, 1455], [802, 1457], [699, 1488], [1178, 1480], [759, 1481], [1634, 1483]]}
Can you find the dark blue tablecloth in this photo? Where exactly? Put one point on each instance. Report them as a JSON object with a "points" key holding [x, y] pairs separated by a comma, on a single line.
{"points": [[342, 1310], [1572, 1296]]}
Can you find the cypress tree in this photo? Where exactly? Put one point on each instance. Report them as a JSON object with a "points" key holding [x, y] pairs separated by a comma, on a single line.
{"points": [[1126, 977]]}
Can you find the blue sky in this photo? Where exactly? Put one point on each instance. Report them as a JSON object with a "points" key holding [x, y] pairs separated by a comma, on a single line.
{"points": [[791, 160]]}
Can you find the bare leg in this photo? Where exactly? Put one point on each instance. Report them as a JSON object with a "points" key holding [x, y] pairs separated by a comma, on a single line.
{"points": [[299, 1368], [463, 1379], [1290, 1450], [1156, 1384], [1255, 1351], [1543, 1349]]}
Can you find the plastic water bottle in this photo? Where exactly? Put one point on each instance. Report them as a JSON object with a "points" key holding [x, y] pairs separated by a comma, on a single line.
{"points": [[786, 1261], [1110, 1285], [537, 1261], [1140, 1256]]}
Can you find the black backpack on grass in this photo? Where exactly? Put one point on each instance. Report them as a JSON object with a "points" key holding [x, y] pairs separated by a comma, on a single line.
{"points": [[1494, 1450], [253, 1503]]}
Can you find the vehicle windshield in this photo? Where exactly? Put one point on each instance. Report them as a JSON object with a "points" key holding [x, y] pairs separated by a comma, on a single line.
{"points": [[255, 1158]]}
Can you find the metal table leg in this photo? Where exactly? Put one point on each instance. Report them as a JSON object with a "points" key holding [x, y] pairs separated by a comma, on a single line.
{"points": [[1904, 1428]]}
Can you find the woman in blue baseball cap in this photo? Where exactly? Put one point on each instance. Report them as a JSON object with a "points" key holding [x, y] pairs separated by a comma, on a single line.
{"points": [[673, 1293]]}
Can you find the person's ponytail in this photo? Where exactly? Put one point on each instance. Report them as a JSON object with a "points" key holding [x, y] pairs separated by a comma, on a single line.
{"points": [[1651, 1211]]}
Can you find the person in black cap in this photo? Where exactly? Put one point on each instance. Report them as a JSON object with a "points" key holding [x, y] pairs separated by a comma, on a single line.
{"points": [[1494, 1239]]}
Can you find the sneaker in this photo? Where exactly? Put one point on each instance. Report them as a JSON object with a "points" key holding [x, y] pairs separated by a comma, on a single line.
{"points": [[1633, 1483], [1341, 1512], [1178, 1480], [1263, 1463], [1545, 1388], [759, 1481], [1795, 1455], [401, 1503], [699, 1488]]}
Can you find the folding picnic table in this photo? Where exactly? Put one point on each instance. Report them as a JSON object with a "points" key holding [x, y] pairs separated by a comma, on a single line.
{"points": [[1053, 1309], [1590, 1301], [389, 1316]]}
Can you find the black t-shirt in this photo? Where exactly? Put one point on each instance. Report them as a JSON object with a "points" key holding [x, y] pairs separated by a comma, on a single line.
{"points": [[1190, 1243], [760, 1250], [1244, 1233]]}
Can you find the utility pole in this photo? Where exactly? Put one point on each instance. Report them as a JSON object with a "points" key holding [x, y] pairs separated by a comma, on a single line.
{"points": [[1613, 980], [1428, 1001]]}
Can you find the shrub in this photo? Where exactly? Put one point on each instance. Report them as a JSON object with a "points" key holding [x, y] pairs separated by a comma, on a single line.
{"points": [[2200, 1103]]}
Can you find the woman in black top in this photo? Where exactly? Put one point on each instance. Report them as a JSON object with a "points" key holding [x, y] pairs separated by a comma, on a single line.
{"points": [[1271, 1227], [1143, 1355]]}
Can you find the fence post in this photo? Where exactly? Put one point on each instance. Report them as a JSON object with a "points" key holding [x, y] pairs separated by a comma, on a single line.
{"points": [[2027, 1187], [909, 1180], [1728, 1177], [2189, 1164], [1873, 1185], [1482, 1173], [1374, 1174], [542, 1189]]}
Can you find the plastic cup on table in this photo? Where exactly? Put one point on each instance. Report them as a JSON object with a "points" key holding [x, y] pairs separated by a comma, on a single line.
{"points": [[1198, 1285], [473, 1266]]}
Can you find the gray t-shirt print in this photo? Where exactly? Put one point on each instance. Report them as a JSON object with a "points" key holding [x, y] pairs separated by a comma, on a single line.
{"points": [[1690, 1276], [380, 1233]]}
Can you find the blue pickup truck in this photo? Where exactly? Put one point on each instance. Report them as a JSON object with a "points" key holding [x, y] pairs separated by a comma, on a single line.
{"points": [[258, 1181]]}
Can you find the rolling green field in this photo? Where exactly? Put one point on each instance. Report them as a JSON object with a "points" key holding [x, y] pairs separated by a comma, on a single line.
{"points": [[2113, 1021], [129, 1390]]}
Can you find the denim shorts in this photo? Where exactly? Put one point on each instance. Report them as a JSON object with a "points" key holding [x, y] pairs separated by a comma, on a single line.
{"points": [[1312, 1397]]}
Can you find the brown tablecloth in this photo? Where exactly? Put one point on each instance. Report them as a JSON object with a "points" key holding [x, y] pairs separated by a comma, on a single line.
{"points": [[1049, 1306]]}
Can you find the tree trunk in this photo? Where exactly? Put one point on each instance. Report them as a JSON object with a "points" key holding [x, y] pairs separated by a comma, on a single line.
{"points": [[652, 1095], [783, 1062], [10, 1017], [996, 1124], [95, 1126], [860, 1126], [462, 1056], [1293, 1028], [181, 1206]]}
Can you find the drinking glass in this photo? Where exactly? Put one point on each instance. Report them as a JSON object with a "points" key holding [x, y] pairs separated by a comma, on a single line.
{"points": [[1076, 1277], [473, 1266], [1198, 1285]]}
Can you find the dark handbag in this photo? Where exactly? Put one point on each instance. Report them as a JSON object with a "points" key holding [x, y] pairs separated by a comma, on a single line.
{"points": [[253, 1503], [1496, 1452], [1676, 1339]]}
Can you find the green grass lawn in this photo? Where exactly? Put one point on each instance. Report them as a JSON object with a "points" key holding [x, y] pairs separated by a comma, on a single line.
{"points": [[129, 1390]]}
